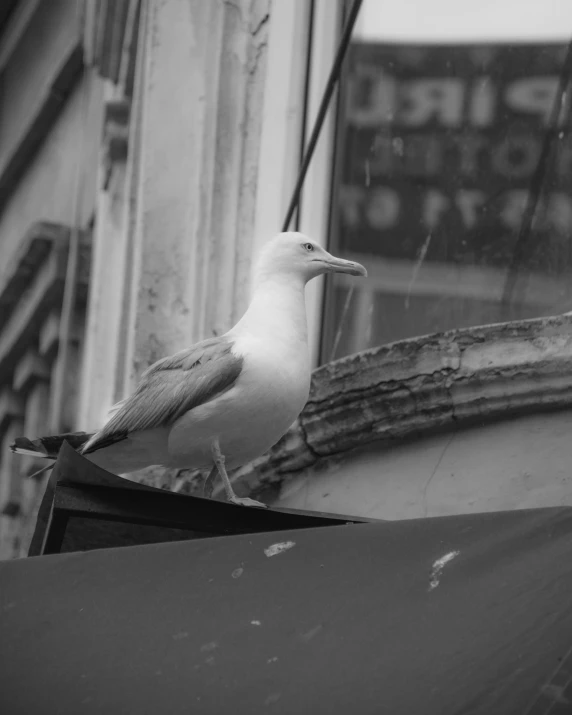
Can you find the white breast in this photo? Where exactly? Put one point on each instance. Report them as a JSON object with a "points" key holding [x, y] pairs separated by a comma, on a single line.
{"points": [[270, 391], [250, 418]]}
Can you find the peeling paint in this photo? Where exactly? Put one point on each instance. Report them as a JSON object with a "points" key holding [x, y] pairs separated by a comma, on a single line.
{"points": [[206, 647], [179, 636], [272, 698], [556, 693], [279, 548], [438, 567], [256, 623], [311, 633], [237, 573]]}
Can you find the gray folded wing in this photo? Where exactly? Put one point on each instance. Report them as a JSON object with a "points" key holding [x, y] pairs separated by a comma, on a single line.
{"points": [[170, 388]]}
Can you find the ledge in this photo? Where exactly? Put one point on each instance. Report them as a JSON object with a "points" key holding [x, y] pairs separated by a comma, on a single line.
{"points": [[40, 121], [15, 16], [49, 335], [30, 370], [429, 384], [11, 408], [33, 288], [25, 265]]}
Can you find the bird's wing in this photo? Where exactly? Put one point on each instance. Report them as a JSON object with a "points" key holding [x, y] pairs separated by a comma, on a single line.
{"points": [[170, 388], [114, 409]]}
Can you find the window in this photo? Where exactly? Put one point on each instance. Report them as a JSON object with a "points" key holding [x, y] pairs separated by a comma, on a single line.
{"points": [[452, 170]]}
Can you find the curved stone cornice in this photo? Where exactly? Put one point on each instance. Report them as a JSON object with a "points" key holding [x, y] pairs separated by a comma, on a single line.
{"points": [[432, 383]]}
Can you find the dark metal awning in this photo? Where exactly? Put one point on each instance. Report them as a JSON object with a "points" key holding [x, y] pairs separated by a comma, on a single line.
{"points": [[84, 508], [468, 614]]}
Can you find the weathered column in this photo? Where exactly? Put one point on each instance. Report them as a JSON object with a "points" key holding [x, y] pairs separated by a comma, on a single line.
{"points": [[175, 220], [199, 91], [107, 284]]}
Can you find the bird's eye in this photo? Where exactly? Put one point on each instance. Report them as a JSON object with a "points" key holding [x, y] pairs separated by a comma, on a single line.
{"points": [[309, 247]]}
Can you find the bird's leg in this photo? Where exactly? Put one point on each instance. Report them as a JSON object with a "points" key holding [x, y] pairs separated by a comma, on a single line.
{"points": [[218, 458], [209, 482]]}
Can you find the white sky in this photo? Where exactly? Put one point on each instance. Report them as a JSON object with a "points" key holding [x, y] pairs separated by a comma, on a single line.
{"points": [[465, 20]]}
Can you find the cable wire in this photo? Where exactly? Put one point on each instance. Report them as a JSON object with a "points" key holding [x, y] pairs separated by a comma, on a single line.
{"points": [[538, 180], [331, 85]]}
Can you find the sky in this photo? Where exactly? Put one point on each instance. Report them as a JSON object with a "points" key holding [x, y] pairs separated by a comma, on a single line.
{"points": [[465, 20]]}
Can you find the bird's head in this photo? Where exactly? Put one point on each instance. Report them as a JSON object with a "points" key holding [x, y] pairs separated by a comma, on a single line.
{"points": [[295, 255]]}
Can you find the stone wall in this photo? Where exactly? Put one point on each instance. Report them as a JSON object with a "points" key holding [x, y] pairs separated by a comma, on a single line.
{"points": [[50, 138]]}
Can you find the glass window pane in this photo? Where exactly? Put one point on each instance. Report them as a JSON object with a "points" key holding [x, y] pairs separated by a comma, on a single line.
{"points": [[453, 169]]}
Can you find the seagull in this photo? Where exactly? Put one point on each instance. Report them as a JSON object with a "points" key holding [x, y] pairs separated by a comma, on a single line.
{"points": [[226, 400]]}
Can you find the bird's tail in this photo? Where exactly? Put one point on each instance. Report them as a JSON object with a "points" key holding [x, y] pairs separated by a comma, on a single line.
{"points": [[48, 447]]}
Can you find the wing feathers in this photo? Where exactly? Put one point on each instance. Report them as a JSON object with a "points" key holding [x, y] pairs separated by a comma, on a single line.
{"points": [[170, 388]]}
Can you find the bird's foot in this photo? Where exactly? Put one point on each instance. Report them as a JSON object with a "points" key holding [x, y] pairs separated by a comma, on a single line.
{"points": [[245, 501]]}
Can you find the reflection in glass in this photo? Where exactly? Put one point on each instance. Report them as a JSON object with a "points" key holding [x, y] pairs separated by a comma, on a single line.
{"points": [[438, 147]]}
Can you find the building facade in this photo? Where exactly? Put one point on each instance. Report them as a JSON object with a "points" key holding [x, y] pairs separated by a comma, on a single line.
{"points": [[147, 151]]}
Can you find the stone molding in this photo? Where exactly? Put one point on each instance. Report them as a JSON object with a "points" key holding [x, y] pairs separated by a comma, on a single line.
{"points": [[32, 289], [424, 385]]}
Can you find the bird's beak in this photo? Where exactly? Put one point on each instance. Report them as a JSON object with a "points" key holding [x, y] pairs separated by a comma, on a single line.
{"points": [[339, 265]]}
